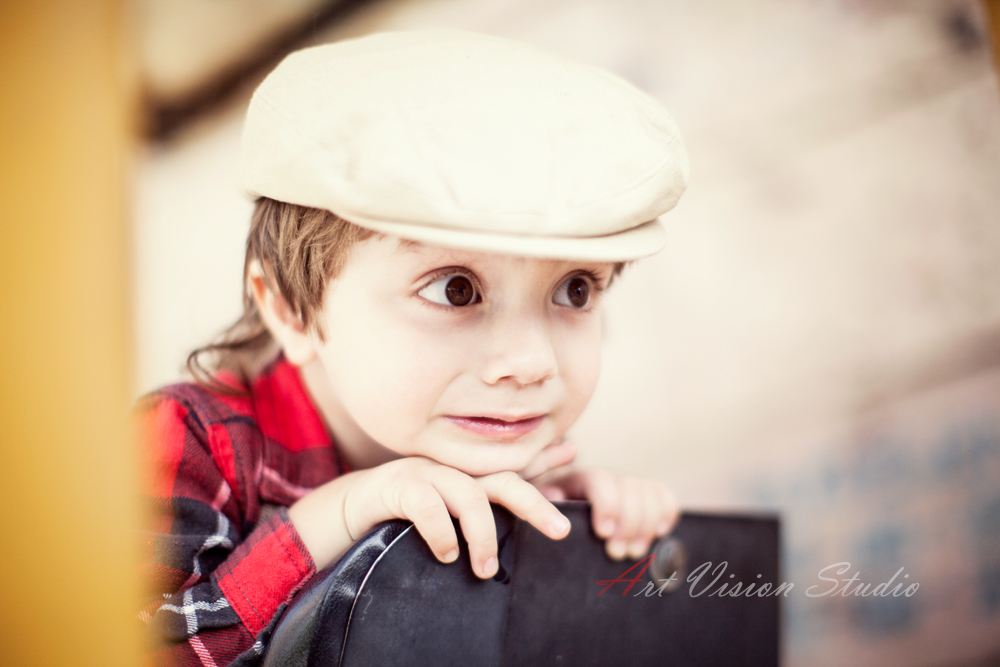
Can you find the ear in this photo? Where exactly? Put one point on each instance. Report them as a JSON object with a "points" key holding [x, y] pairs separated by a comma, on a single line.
{"points": [[280, 320]]}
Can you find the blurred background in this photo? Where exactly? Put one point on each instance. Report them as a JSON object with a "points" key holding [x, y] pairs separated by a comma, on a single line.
{"points": [[820, 338]]}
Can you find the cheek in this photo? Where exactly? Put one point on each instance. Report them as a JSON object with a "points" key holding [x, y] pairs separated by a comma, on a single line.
{"points": [[580, 365], [388, 373]]}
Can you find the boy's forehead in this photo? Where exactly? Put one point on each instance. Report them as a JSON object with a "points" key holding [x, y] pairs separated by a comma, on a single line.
{"points": [[434, 254]]}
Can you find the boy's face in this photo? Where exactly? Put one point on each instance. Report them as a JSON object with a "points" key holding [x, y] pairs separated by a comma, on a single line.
{"points": [[475, 360]]}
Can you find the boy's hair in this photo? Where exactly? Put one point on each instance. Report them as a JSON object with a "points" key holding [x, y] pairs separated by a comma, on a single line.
{"points": [[300, 250]]}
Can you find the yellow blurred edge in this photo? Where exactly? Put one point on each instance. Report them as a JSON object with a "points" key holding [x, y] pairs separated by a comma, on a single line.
{"points": [[993, 16], [68, 580]]}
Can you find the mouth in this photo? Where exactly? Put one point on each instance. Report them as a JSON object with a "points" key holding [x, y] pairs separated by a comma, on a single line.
{"points": [[497, 428]]}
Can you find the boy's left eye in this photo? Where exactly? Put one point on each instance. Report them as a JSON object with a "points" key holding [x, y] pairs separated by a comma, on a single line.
{"points": [[574, 292], [455, 289]]}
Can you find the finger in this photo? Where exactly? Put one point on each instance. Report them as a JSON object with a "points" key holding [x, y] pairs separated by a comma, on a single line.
{"points": [[671, 511], [420, 502], [552, 493], [650, 496], [526, 502], [553, 456], [467, 501], [628, 522], [601, 489]]}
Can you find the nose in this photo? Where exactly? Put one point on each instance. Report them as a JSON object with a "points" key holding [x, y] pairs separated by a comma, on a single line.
{"points": [[522, 351]]}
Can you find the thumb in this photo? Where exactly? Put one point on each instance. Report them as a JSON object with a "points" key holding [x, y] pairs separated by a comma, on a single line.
{"points": [[555, 455], [552, 493]]}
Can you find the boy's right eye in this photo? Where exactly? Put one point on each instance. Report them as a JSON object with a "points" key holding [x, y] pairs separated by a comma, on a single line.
{"points": [[455, 289]]}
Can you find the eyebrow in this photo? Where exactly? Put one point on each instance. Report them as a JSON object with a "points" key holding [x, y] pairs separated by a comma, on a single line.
{"points": [[410, 246], [616, 268], [406, 245]]}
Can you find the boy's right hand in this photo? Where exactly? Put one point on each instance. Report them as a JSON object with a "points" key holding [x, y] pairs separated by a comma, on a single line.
{"points": [[334, 516]]}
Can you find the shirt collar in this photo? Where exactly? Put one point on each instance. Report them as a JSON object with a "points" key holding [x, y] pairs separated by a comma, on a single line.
{"points": [[284, 410]]}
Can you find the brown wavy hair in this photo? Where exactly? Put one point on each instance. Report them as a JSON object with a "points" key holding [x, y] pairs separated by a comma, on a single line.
{"points": [[300, 250]]}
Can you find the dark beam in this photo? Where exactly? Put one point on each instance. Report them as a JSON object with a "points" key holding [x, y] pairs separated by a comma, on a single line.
{"points": [[162, 118], [993, 17]]}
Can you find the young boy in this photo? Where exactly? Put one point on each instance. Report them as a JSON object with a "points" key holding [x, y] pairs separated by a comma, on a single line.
{"points": [[437, 215]]}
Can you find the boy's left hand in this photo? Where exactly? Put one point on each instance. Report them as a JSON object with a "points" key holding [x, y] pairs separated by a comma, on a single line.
{"points": [[628, 512]]}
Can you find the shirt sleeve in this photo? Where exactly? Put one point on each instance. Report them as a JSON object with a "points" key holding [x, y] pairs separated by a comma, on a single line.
{"points": [[216, 589]]}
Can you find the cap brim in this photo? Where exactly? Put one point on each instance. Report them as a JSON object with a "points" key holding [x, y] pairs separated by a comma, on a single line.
{"points": [[641, 241]]}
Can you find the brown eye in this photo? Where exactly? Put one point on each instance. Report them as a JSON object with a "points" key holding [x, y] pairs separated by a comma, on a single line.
{"points": [[451, 290], [459, 291], [574, 293]]}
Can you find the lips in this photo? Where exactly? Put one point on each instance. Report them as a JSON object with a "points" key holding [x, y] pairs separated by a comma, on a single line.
{"points": [[497, 428]]}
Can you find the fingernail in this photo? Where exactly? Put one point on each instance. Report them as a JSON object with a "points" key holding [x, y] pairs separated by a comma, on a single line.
{"points": [[607, 527], [616, 549], [662, 527], [451, 555], [637, 549], [490, 566], [559, 524]]}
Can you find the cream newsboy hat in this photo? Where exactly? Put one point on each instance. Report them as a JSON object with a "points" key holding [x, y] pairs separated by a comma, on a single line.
{"points": [[470, 141]]}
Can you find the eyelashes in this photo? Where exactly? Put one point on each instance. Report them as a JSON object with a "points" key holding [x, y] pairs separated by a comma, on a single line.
{"points": [[596, 281], [455, 287]]}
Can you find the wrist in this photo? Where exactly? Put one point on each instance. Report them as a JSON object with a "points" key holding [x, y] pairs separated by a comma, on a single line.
{"points": [[319, 519]]}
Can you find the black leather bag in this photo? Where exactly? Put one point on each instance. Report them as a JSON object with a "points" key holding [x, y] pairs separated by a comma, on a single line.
{"points": [[390, 602]]}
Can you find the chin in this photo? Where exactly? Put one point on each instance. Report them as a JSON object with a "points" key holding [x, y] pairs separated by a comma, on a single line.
{"points": [[503, 461]]}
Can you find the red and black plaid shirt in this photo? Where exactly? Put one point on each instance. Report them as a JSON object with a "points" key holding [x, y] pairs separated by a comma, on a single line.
{"points": [[222, 558]]}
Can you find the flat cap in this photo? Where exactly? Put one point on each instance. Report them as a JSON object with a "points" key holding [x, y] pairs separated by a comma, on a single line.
{"points": [[467, 140]]}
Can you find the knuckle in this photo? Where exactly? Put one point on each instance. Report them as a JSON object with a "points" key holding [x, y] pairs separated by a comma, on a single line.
{"points": [[422, 501], [428, 510], [476, 507], [486, 544], [539, 505], [508, 479], [464, 492]]}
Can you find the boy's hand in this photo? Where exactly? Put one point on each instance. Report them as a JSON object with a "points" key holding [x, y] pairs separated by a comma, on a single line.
{"points": [[555, 455], [334, 516], [628, 512]]}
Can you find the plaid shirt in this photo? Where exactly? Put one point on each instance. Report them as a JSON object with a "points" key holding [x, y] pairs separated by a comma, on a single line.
{"points": [[221, 556]]}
